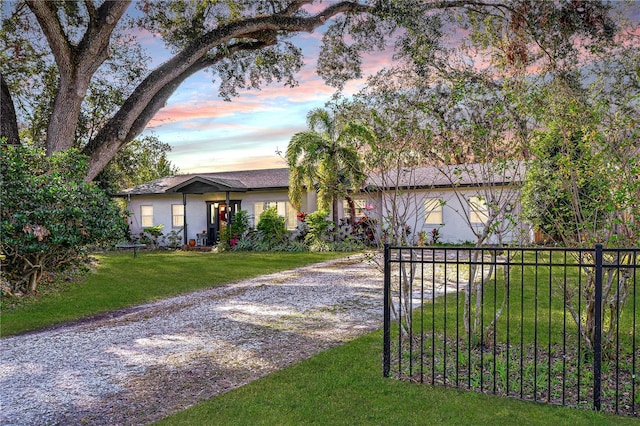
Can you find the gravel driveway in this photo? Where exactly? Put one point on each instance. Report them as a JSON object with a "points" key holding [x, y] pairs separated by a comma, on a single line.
{"points": [[147, 362]]}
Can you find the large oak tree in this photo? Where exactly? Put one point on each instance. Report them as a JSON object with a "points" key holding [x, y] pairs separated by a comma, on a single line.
{"points": [[246, 44]]}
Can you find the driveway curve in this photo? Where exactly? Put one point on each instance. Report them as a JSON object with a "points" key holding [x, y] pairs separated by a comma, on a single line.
{"points": [[153, 360]]}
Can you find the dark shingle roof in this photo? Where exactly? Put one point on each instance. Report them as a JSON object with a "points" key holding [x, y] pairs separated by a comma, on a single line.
{"points": [[419, 177], [448, 176], [248, 179]]}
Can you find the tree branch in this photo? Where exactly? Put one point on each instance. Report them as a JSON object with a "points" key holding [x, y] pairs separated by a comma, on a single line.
{"points": [[93, 49], [153, 92], [45, 13], [76, 64], [103, 147]]}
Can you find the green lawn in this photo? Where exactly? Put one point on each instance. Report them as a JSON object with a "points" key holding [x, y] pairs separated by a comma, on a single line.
{"points": [[344, 386], [339, 386], [121, 280], [544, 354]]}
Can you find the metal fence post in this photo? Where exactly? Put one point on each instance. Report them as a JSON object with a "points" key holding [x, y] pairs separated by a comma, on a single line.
{"points": [[597, 338], [386, 356]]}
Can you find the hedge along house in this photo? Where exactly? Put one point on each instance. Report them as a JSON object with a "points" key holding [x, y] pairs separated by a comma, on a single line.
{"points": [[458, 201]]}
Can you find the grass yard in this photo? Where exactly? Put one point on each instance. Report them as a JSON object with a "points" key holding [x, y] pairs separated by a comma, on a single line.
{"points": [[344, 386], [535, 350], [121, 281]]}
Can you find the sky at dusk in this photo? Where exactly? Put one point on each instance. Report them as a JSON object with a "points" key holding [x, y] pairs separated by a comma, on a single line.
{"points": [[208, 134]]}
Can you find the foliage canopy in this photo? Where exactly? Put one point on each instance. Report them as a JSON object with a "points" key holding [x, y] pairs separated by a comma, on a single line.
{"points": [[245, 45]]}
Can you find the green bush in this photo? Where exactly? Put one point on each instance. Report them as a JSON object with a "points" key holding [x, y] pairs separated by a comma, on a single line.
{"points": [[50, 215], [239, 225], [319, 228], [349, 244], [152, 235], [233, 234], [272, 226], [174, 238]]}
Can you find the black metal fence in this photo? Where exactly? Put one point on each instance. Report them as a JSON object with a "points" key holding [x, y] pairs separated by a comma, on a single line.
{"points": [[517, 322]]}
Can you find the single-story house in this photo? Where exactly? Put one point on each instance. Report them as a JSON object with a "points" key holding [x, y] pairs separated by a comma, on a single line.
{"points": [[452, 200]]}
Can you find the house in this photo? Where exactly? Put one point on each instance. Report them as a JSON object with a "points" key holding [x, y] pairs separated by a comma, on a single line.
{"points": [[201, 204], [457, 201]]}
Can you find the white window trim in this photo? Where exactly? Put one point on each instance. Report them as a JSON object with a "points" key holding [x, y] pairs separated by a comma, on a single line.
{"points": [[175, 216], [478, 210], [433, 207], [361, 208], [145, 217]]}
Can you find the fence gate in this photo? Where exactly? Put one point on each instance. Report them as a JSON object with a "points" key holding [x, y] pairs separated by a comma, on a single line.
{"points": [[544, 324]]}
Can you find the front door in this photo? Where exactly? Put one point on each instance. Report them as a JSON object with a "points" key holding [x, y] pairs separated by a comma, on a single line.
{"points": [[218, 217]]}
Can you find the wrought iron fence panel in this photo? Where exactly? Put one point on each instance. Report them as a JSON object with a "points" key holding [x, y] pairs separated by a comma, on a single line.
{"points": [[517, 322]]}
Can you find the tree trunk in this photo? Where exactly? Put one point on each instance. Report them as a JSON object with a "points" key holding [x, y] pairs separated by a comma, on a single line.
{"points": [[352, 211], [334, 213], [8, 119], [76, 63]]}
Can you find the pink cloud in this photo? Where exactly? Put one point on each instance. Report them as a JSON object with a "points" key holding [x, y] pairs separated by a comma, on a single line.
{"points": [[185, 111], [247, 163]]}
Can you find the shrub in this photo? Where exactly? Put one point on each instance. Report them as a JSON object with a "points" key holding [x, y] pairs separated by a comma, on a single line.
{"points": [[174, 238], [239, 225], [152, 235], [348, 244], [272, 226], [233, 234], [319, 229], [50, 215]]}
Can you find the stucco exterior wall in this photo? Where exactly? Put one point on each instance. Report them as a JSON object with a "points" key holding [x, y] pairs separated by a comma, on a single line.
{"points": [[409, 206], [196, 208], [455, 226]]}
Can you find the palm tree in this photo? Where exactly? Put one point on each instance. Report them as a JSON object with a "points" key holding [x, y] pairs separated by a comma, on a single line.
{"points": [[326, 158]]}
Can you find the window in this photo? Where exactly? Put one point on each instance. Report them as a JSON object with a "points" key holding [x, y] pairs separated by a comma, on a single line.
{"points": [[361, 208], [146, 216], [433, 211], [177, 215], [478, 210], [284, 208]]}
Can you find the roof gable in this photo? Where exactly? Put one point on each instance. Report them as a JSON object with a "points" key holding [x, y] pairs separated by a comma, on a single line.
{"points": [[199, 183], [203, 184]]}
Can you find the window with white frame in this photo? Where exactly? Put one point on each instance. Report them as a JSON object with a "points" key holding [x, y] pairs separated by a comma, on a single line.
{"points": [[478, 210], [361, 208], [146, 216], [433, 211], [177, 215], [284, 208]]}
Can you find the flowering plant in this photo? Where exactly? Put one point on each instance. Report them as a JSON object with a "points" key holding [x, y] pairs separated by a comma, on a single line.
{"points": [[301, 216]]}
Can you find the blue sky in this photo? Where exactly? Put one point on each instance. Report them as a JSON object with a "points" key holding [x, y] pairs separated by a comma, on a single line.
{"points": [[208, 134]]}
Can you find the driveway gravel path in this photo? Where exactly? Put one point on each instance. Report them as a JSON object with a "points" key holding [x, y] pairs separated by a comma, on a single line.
{"points": [[145, 363]]}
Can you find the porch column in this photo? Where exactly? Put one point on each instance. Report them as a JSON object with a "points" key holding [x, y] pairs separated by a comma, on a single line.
{"points": [[184, 218], [229, 218]]}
